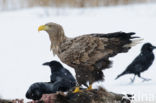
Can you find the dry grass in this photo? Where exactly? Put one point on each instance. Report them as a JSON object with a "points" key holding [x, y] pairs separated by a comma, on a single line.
{"points": [[15, 4]]}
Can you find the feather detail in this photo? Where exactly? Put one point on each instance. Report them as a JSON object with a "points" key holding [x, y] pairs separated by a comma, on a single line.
{"points": [[134, 43]]}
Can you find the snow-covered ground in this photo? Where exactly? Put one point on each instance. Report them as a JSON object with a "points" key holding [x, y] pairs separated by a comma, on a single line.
{"points": [[23, 49]]}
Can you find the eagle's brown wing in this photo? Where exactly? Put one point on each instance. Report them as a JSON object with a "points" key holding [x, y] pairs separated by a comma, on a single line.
{"points": [[89, 50]]}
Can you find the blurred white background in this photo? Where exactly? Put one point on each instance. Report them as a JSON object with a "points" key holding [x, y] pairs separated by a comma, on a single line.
{"points": [[23, 49]]}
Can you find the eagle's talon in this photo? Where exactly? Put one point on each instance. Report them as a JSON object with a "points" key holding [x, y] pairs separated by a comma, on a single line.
{"points": [[90, 87], [77, 89]]}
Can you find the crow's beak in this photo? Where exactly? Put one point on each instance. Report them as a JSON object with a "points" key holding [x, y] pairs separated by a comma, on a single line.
{"points": [[153, 47], [47, 63]]}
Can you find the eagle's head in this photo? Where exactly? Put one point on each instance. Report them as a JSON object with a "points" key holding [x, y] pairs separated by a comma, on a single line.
{"points": [[51, 28], [56, 34]]}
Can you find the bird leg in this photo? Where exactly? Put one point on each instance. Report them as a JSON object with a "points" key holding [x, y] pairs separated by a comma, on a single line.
{"points": [[90, 87], [132, 79], [145, 79], [77, 89]]}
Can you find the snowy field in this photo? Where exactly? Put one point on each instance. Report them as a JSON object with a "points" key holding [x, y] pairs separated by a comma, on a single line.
{"points": [[23, 49]]}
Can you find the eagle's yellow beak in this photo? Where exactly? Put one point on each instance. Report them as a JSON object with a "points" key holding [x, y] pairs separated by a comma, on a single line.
{"points": [[42, 27]]}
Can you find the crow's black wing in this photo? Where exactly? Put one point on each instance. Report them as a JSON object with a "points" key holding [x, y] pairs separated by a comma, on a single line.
{"points": [[61, 85], [68, 75], [53, 78], [137, 65], [63, 73]]}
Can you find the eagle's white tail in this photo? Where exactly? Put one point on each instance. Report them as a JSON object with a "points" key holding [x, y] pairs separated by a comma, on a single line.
{"points": [[134, 43]]}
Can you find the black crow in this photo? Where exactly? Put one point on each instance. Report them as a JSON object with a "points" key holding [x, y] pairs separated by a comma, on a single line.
{"points": [[36, 90], [61, 80], [141, 63], [60, 74]]}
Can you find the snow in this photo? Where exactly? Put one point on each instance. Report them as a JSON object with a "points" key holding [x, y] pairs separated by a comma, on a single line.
{"points": [[23, 49]]}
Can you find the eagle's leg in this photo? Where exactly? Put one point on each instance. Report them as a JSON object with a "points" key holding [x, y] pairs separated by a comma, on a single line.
{"points": [[77, 89], [90, 87]]}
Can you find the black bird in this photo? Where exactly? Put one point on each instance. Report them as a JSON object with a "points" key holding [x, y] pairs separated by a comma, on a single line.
{"points": [[141, 63], [61, 80], [60, 74], [36, 90]]}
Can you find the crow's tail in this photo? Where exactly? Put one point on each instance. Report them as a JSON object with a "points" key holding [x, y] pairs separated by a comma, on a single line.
{"points": [[123, 73]]}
